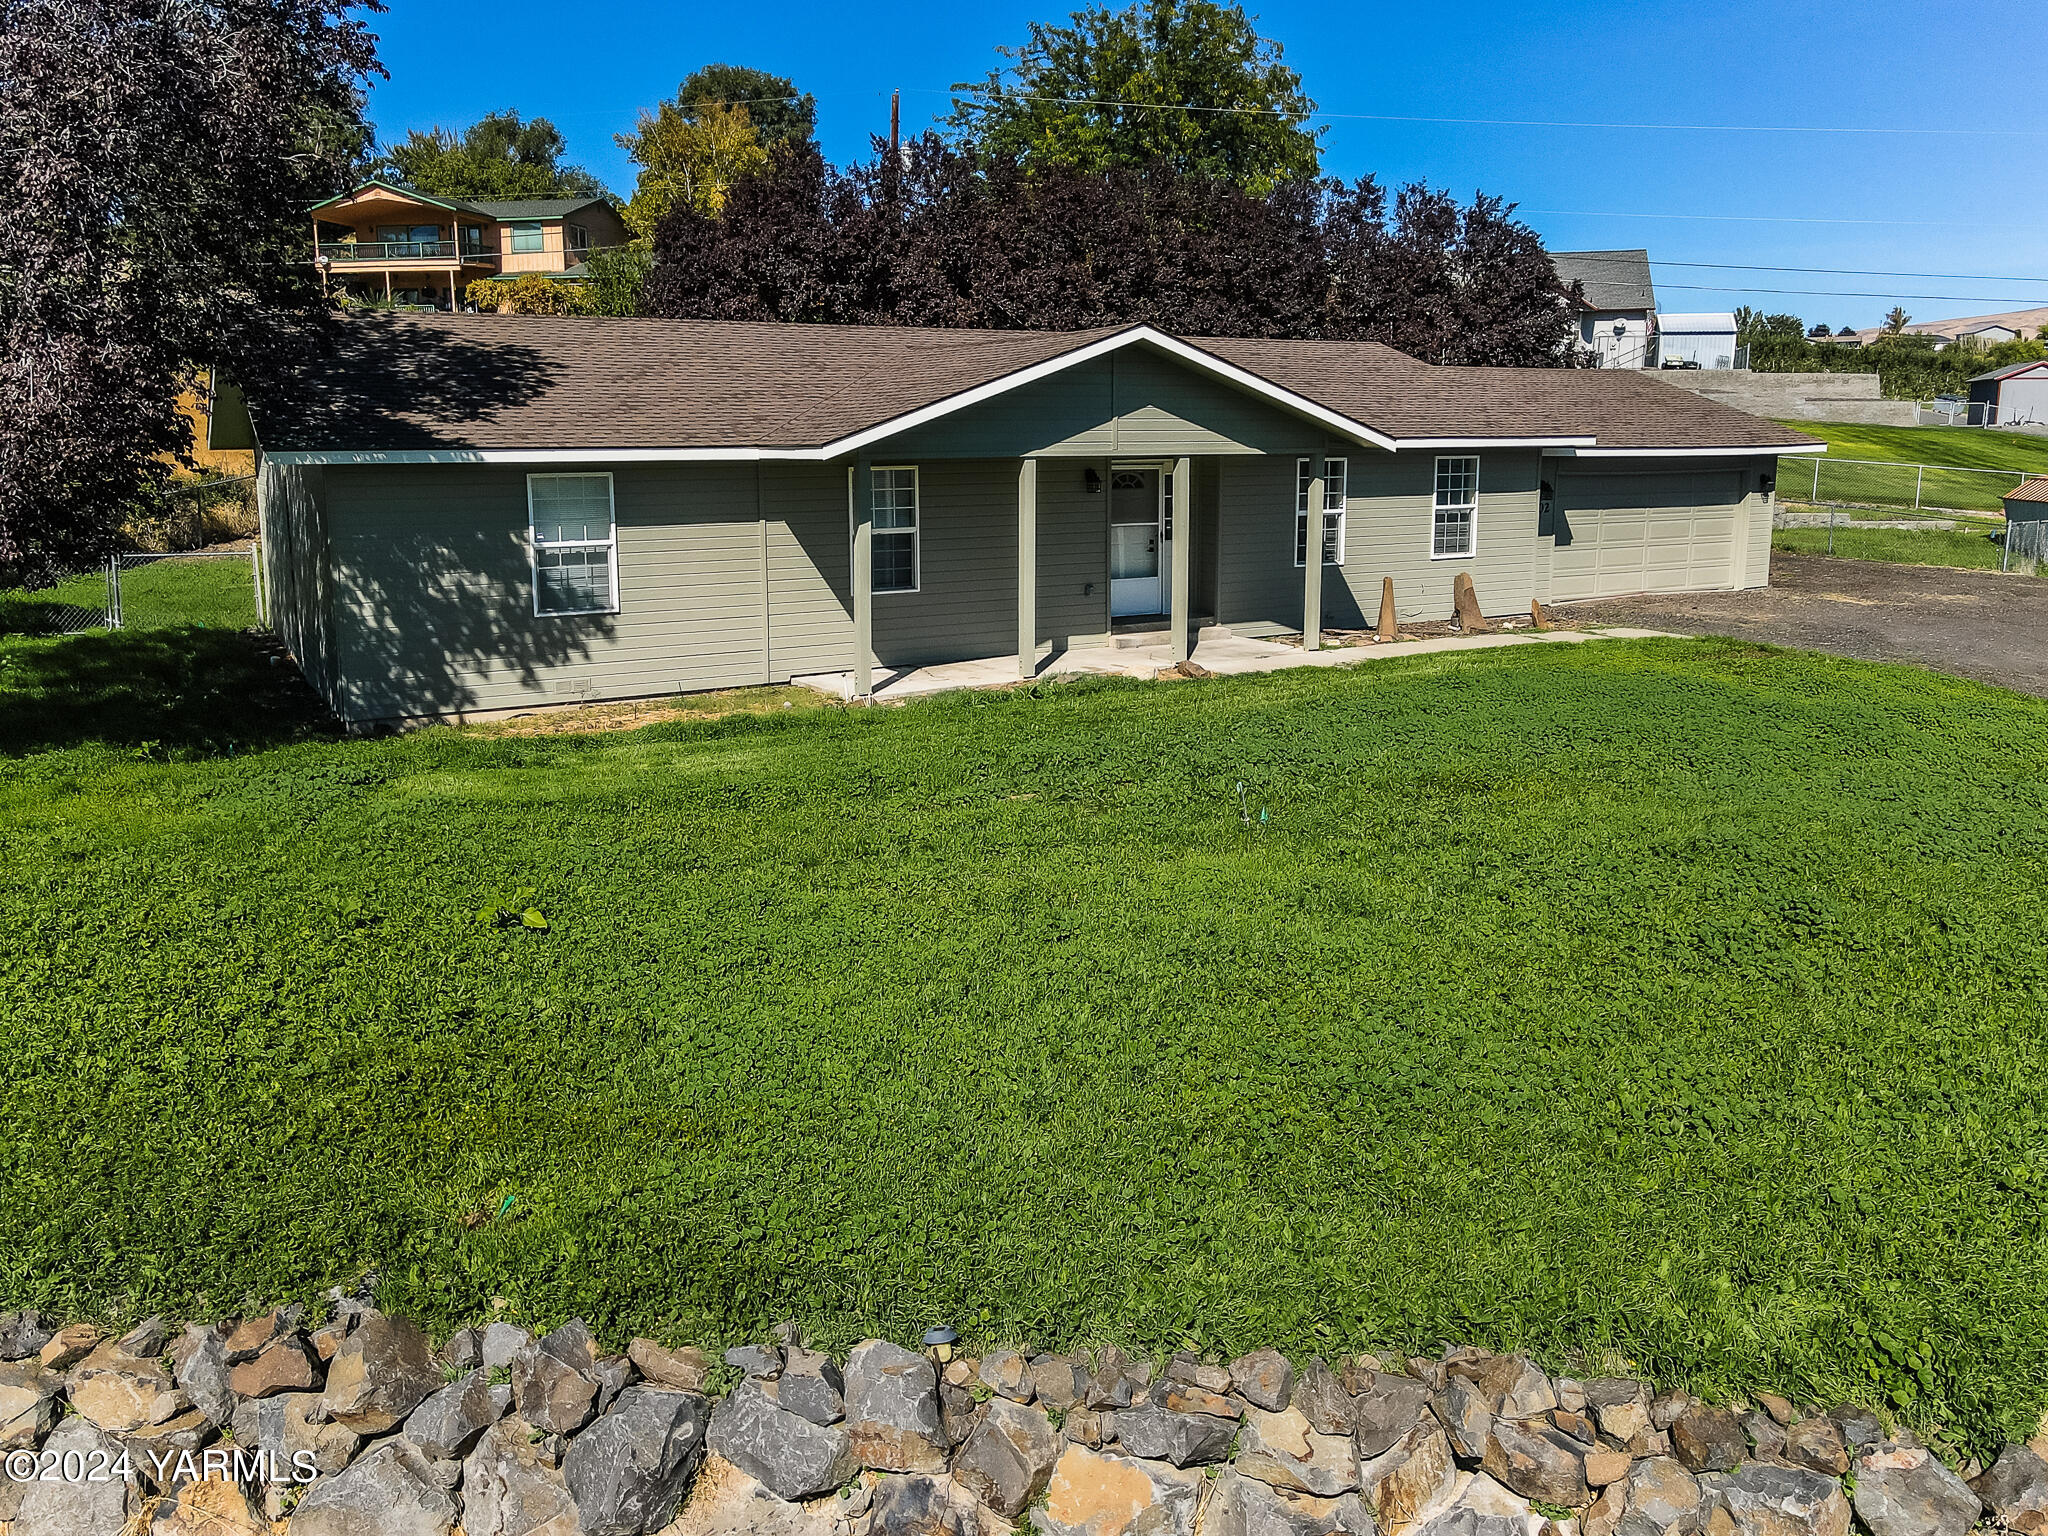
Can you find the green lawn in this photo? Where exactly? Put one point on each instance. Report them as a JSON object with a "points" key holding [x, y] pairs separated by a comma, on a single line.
{"points": [[1967, 447], [210, 590], [1680, 998], [1968, 548]]}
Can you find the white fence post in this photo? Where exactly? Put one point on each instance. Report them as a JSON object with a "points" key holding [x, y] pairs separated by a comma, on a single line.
{"points": [[1919, 480]]}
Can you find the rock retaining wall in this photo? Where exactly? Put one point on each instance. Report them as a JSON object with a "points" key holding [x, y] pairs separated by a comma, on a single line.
{"points": [[355, 1425]]}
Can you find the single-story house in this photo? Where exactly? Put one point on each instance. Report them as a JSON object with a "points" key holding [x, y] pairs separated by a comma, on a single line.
{"points": [[479, 513], [1696, 341], [2006, 397], [1619, 319]]}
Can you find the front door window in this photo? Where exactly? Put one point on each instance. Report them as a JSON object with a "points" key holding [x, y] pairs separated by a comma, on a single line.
{"points": [[1137, 546]]}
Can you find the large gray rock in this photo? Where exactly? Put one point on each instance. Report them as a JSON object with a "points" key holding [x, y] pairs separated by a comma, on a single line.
{"points": [[82, 1508], [199, 1363], [1322, 1399], [1537, 1462], [629, 1470], [892, 1409], [1463, 1411], [28, 1404], [1058, 1381], [381, 1372], [2015, 1491], [760, 1360], [451, 1420], [1185, 1439], [1818, 1446], [680, 1370], [811, 1387], [116, 1390], [1764, 1500], [1664, 1499], [1904, 1490], [1263, 1378], [1621, 1408], [1007, 1372], [1008, 1457], [1093, 1494], [1385, 1412], [510, 1489], [291, 1424], [1415, 1475], [555, 1380], [23, 1334], [1280, 1449], [785, 1452], [501, 1344], [1708, 1439], [392, 1491], [1244, 1506]]}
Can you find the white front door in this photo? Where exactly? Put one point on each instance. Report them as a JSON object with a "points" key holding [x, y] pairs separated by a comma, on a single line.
{"points": [[1139, 554]]}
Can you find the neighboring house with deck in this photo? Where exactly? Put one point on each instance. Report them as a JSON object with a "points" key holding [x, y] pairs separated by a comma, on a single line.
{"points": [[482, 513], [385, 242], [1618, 320]]}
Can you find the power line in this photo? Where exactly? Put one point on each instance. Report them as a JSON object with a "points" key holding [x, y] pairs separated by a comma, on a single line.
{"points": [[1827, 293], [1768, 218], [1595, 258], [1477, 122]]}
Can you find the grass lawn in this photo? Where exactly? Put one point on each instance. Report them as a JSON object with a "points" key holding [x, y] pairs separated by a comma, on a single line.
{"points": [[177, 590], [1967, 447], [1968, 548], [1679, 999]]}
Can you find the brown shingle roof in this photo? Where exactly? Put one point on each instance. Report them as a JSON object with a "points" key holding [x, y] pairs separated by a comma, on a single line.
{"points": [[2035, 489], [407, 382]]}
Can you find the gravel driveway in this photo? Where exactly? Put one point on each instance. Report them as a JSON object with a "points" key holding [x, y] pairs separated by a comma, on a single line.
{"points": [[1978, 624]]}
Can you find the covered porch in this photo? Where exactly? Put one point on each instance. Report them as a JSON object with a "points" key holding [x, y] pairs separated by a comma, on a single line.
{"points": [[1154, 535], [1215, 650]]}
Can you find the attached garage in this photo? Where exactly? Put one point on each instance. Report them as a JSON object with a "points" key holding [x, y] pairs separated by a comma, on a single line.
{"points": [[1647, 531]]}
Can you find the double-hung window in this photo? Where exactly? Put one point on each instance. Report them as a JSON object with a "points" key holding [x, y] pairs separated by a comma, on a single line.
{"points": [[895, 527], [576, 238], [575, 544], [526, 236], [1334, 475], [1453, 528]]}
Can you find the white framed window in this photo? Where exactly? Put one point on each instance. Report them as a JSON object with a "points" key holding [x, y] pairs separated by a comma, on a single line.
{"points": [[895, 533], [574, 537], [1335, 475], [1454, 524]]}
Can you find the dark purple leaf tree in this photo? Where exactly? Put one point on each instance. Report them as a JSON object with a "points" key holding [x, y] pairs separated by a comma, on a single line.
{"points": [[157, 158]]}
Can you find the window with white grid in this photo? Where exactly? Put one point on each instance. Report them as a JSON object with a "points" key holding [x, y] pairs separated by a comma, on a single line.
{"points": [[575, 544], [1453, 530], [895, 528], [1334, 472]]}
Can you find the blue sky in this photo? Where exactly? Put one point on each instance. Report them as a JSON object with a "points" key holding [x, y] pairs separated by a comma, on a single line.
{"points": [[1952, 202]]}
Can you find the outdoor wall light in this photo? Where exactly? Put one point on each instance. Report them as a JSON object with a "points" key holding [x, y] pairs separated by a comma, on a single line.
{"points": [[1092, 479], [1770, 484]]}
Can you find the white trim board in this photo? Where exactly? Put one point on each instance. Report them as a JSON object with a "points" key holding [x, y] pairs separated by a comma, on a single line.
{"points": [[1679, 453]]}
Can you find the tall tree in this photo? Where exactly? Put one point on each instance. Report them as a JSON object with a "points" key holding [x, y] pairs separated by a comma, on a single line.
{"points": [[159, 157], [776, 108], [952, 240], [1188, 84], [499, 158], [1896, 320], [688, 157]]}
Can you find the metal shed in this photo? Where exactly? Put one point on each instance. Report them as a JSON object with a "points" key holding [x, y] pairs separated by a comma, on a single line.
{"points": [[2010, 396], [1707, 340]]}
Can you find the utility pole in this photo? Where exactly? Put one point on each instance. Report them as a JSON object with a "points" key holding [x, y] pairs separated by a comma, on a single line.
{"points": [[895, 172]]}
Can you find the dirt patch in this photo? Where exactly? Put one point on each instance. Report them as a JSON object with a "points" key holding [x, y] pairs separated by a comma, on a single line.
{"points": [[631, 714], [1977, 624]]}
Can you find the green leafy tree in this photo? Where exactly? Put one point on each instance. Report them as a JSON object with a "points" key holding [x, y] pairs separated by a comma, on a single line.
{"points": [[1189, 84], [774, 106], [500, 158], [1896, 320], [689, 157], [614, 279]]}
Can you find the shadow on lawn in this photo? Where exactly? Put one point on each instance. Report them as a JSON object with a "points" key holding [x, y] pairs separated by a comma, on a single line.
{"points": [[187, 691]]}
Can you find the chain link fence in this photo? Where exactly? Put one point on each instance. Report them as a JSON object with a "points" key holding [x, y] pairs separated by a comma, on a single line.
{"points": [[1819, 481], [213, 588], [2026, 547]]}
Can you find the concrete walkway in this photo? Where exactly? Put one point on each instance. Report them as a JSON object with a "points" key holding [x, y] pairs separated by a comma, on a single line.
{"points": [[1216, 649]]}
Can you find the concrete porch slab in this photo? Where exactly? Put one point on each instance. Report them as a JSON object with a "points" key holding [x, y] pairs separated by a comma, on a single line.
{"points": [[1217, 650]]}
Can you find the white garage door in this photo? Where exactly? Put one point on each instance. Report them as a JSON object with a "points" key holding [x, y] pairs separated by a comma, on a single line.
{"points": [[1646, 533]]}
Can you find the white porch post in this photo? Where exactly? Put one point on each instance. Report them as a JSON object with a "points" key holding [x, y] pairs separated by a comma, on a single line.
{"points": [[863, 578], [1312, 559], [1183, 556], [1027, 569]]}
